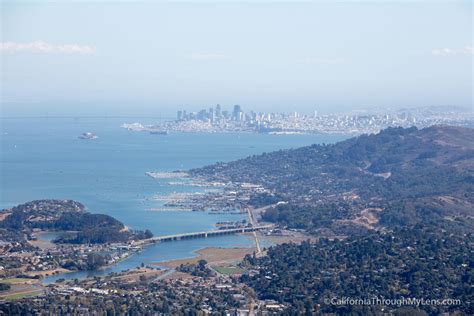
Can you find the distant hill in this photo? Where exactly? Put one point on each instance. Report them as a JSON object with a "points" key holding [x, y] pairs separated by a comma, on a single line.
{"points": [[397, 177]]}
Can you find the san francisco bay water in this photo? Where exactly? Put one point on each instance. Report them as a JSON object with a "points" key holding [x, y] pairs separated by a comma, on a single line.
{"points": [[43, 158]]}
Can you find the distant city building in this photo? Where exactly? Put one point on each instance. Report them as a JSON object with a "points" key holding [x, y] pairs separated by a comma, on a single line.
{"points": [[216, 119], [202, 115], [218, 111], [237, 113]]}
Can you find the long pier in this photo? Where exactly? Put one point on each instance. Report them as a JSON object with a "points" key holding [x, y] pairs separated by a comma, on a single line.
{"points": [[205, 234]]}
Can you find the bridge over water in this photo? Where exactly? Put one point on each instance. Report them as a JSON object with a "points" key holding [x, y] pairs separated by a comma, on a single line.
{"points": [[204, 234]]}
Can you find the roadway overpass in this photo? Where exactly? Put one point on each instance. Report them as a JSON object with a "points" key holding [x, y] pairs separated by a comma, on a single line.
{"points": [[204, 234]]}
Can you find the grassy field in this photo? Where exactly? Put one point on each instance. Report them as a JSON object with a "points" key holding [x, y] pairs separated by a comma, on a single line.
{"points": [[16, 280], [229, 270], [18, 296], [212, 255]]}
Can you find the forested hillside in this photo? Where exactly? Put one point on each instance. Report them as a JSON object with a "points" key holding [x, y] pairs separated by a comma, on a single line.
{"points": [[420, 262], [398, 177], [403, 201]]}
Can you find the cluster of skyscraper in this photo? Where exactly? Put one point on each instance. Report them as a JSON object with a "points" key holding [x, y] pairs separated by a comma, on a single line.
{"points": [[216, 114], [215, 119], [213, 114]]}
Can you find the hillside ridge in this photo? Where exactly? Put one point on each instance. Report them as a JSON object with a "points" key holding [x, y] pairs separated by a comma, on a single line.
{"points": [[396, 177]]}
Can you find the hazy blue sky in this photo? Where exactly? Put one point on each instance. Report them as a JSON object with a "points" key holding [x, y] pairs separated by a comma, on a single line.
{"points": [[151, 56]]}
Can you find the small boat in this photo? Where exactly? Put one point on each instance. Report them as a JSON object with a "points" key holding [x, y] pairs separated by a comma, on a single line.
{"points": [[88, 135], [159, 132]]}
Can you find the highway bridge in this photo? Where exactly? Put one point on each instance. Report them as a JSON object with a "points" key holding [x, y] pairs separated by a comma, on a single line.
{"points": [[205, 234]]}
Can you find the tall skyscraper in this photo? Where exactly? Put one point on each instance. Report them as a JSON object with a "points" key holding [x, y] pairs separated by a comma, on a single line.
{"points": [[236, 113], [211, 115], [218, 111]]}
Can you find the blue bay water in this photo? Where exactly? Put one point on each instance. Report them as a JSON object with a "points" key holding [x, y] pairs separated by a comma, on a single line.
{"points": [[44, 159]]}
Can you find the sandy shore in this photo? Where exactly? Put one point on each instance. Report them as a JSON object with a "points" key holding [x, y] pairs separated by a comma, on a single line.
{"points": [[211, 255]]}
